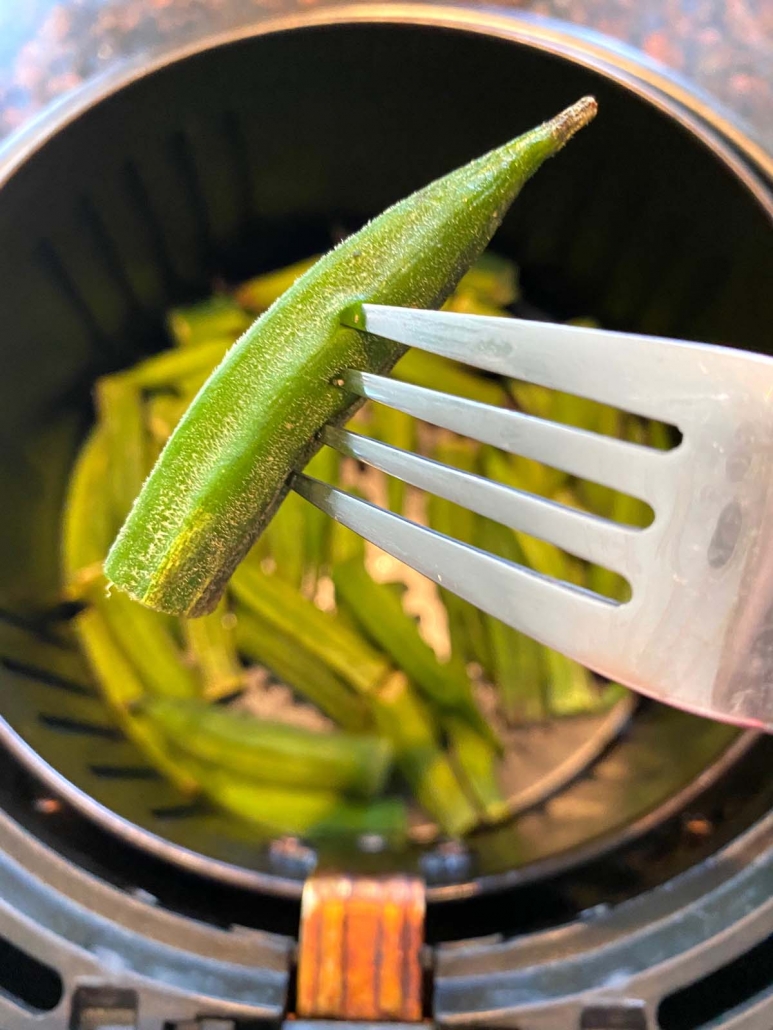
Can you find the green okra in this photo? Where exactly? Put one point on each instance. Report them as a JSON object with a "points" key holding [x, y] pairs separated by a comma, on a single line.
{"points": [[87, 524], [439, 373], [286, 538], [145, 637], [122, 689], [274, 752], [466, 624], [475, 761], [312, 815], [259, 641], [380, 613], [259, 293], [572, 689], [520, 673], [162, 413], [318, 527], [227, 466], [171, 367], [211, 642], [518, 662], [217, 318], [492, 280], [405, 720], [399, 430], [319, 633], [121, 415]]}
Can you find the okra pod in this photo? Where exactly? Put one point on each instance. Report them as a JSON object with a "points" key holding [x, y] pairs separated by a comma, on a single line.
{"points": [[276, 811], [518, 662], [145, 637], [572, 689], [211, 641], [493, 279], [259, 293], [380, 613], [171, 367], [119, 406], [466, 624], [286, 535], [404, 719], [259, 641], [227, 466], [438, 373], [87, 524], [318, 526], [122, 689], [274, 752], [475, 761], [162, 413], [319, 633], [217, 318]]}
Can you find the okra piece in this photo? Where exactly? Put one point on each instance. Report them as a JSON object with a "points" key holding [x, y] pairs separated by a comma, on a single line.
{"points": [[518, 662], [171, 367], [87, 524], [122, 689], [475, 761], [147, 639], [217, 318], [274, 752], [493, 279], [520, 673], [319, 633], [398, 429], [380, 613], [466, 624], [286, 535], [572, 689], [162, 413], [464, 302], [438, 373], [535, 553], [259, 641], [312, 815], [119, 407], [211, 641], [226, 468], [259, 293], [318, 526], [404, 719], [144, 636]]}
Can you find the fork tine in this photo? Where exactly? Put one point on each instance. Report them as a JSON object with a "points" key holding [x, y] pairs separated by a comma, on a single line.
{"points": [[630, 468], [556, 614], [648, 376], [586, 536]]}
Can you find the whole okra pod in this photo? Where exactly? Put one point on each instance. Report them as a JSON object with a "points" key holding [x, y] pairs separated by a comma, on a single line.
{"points": [[227, 466], [274, 752]]}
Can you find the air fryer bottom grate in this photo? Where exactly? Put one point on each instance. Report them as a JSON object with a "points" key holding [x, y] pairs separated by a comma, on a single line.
{"points": [[552, 955]]}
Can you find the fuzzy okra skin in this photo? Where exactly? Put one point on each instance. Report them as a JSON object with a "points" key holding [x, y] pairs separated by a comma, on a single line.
{"points": [[227, 466]]}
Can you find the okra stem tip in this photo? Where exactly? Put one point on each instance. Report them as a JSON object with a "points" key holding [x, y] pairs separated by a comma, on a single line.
{"points": [[568, 122]]}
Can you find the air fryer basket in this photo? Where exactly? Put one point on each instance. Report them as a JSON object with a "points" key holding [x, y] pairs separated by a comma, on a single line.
{"points": [[244, 157]]}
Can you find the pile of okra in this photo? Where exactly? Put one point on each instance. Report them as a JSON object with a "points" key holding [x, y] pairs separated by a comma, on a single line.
{"points": [[305, 606]]}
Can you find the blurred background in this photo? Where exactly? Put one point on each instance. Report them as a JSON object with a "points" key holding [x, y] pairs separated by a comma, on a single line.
{"points": [[47, 47]]}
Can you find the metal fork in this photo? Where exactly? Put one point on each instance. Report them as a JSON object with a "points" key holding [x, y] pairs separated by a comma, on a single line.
{"points": [[698, 630]]}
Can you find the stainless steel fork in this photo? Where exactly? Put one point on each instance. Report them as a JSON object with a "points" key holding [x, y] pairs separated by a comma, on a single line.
{"points": [[698, 630]]}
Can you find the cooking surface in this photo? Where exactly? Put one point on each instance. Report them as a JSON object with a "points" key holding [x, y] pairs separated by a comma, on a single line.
{"points": [[48, 47]]}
